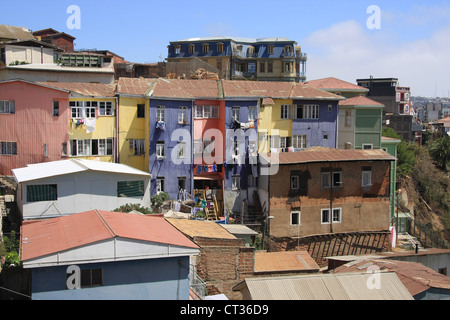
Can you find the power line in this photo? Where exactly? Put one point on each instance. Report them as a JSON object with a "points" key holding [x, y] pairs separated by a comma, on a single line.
{"points": [[19, 293]]}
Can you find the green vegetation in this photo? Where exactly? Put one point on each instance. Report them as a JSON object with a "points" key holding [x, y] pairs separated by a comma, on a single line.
{"points": [[405, 156], [158, 200], [134, 207], [10, 249]]}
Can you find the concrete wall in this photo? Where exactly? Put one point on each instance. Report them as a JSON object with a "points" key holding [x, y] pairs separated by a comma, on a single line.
{"points": [[152, 279], [28, 54], [363, 209], [56, 74]]}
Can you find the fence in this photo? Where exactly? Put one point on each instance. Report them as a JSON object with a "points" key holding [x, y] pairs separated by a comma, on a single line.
{"points": [[426, 235]]}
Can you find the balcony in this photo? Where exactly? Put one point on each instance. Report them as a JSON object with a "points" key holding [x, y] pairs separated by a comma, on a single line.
{"points": [[300, 55], [245, 55]]}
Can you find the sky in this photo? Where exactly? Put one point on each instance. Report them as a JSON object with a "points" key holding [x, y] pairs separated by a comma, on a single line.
{"points": [[404, 39]]}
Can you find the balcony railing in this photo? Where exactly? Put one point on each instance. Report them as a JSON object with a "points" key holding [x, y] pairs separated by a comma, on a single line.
{"points": [[197, 285], [245, 54], [294, 55]]}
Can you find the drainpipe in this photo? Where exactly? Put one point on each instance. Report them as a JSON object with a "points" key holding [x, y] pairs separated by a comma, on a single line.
{"points": [[331, 199], [192, 147], [116, 133]]}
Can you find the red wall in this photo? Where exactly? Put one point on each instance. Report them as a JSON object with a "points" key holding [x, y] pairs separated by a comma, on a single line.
{"points": [[33, 124]]}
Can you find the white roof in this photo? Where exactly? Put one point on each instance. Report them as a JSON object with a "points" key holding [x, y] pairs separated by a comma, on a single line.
{"points": [[237, 39], [63, 167]]}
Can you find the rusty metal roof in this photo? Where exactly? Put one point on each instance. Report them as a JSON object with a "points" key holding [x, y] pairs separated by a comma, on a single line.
{"points": [[329, 155], [85, 89], [185, 89], [198, 228], [134, 86], [44, 237], [15, 33], [415, 276], [284, 261]]}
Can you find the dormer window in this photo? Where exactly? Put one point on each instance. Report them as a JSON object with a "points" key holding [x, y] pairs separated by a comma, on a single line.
{"points": [[191, 48], [177, 49], [219, 47], [270, 49], [205, 48]]}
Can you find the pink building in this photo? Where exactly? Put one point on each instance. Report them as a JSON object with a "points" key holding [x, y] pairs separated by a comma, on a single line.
{"points": [[33, 124]]}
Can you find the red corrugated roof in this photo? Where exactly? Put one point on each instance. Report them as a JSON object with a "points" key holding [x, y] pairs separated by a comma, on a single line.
{"points": [[86, 89], [44, 237], [332, 155]]}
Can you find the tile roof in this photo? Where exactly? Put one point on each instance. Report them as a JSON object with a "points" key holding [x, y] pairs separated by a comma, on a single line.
{"points": [[185, 89], [415, 276], [85, 89], [330, 155], [43, 237], [284, 261], [15, 33], [360, 101], [332, 83], [198, 228]]}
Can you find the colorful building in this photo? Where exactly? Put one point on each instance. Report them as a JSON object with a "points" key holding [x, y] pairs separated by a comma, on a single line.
{"points": [[233, 58], [33, 124]]}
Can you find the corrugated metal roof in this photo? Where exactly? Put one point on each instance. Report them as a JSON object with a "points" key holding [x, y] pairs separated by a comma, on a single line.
{"points": [[348, 286], [360, 101], [63, 167], [44, 237], [284, 261], [334, 84], [134, 86], [198, 228], [238, 229], [185, 89], [85, 89], [331, 155], [15, 33]]}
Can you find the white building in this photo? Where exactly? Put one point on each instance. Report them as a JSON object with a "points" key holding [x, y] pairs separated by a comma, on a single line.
{"points": [[66, 187]]}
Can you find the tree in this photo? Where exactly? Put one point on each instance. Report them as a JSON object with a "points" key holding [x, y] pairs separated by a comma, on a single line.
{"points": [[405, 153], [158, 200], [440, 151]]}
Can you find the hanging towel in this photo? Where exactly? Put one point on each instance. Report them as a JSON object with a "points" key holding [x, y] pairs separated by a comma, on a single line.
{"points": [[214, 168], [161, 125], [90, 125], [199, 170], [205, 168]]}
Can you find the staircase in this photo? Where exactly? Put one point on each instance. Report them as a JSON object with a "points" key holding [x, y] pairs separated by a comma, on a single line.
{"points": [[407, 240]]}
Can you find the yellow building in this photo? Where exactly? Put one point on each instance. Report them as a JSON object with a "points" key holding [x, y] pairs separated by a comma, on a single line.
{"points": [[133, 131], [92, 120]]}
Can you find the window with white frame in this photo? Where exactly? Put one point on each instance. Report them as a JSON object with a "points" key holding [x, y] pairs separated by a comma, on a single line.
{"points": [[285, 111], [348, 118], [160, 150], [105, 108], [236, 182], [198, 148], [138, 146], [94, 147], [7, 107], [160, 113], [182, 115], [236, 114], [252, 113], [327, 219], [177, 49], [181, 150], [8, 148], [160, 187], [285, 142], [300, 141], [76, 108], [83, 109], [306, 111], [270, 49], [274, 142], [366, 179], [89, 108], [205, 112], [295, 218]]}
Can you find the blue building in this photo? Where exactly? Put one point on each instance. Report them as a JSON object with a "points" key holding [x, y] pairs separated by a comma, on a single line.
{"points": [[99, 255], [234, 58]]}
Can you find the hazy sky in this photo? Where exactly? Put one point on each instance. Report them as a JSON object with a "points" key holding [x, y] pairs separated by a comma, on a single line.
{"points": [[412, 43]]}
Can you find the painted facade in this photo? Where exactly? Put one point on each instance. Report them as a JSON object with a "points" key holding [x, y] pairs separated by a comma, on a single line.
{"points": [[33, 124]]}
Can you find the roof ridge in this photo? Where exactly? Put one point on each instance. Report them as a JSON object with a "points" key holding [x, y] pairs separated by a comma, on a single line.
{"points": [[105, 223]]}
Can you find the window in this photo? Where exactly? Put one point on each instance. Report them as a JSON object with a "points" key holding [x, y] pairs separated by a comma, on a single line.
{"points": [[285, 111], [7, 107], [337, 216], [288, 67], [235, 114], [191, 48], [198, 148], [160, 113], [348, 118], [219, 47], [366, 179], [306, 111], [251, 181], [295, 182], [182, 150], [141, 110], [105, 108], [177, 49], [236, 183], [89, 108], [325, 179], [56, 108], [182, 115], [330, 108], [269, 67], [285, 142], [130, 189], [325, 137], [181, 183], [160, 152], [295, 218], [64, 149], [367, 146], [252, 113], [274, 142], [83, 109], [160, 185], [96, 147], [76, 109], [219, 64], [8, 148], [138, 146], [300, 141], [91, 278], [46, 150], [262, 67], [205, 112], [205, 48], [45, 192], [270, 49]]}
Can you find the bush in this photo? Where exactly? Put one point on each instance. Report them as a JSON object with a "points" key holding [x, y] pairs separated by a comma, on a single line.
{"points": [[134, 207], [158, 200]]}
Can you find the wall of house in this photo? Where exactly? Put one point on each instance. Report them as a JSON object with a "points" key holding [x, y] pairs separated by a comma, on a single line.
{"points": [[150, 279], [166, 167], [368, 126], [81, 192], [57, 74], [391, 148], [346, 133], [363, 209], [318, 129], [33, 124], [32, 55], [132, 127]]}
